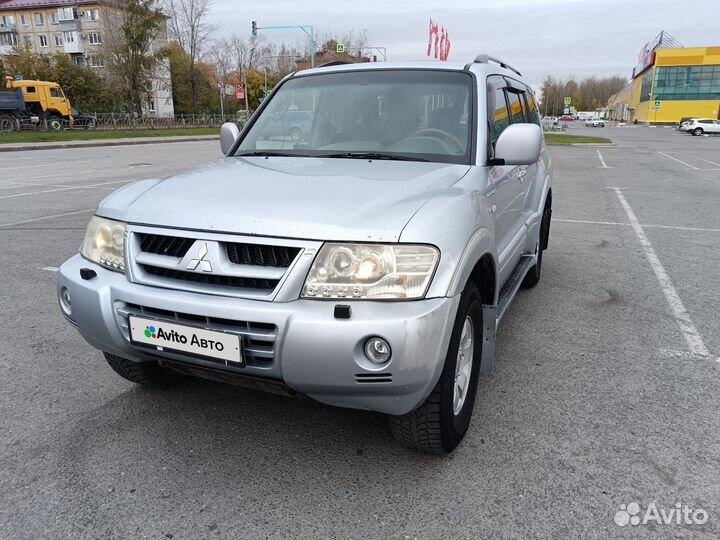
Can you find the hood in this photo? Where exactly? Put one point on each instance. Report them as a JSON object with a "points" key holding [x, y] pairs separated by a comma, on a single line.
{"points": [[292, 197]]}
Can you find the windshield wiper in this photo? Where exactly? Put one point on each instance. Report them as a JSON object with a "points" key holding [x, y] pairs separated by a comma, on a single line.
{"points": [[270, 153], [372, 155]]}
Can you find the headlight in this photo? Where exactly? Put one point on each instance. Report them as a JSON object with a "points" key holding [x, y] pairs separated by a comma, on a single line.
{"points": [[371, 271], [104, 243]]}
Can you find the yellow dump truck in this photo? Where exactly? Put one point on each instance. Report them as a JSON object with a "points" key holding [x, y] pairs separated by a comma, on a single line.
{"points": [[33, 102]]}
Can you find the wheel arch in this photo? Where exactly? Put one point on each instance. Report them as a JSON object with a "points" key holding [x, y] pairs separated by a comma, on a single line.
{"points": [[484, 276]]}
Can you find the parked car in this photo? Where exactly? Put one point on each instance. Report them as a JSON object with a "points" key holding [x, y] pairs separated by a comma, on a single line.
{"points": [[700, 126], [317, 267], [595, 122], [294, 124], [684, 122], [83, 120], [566, 119]]}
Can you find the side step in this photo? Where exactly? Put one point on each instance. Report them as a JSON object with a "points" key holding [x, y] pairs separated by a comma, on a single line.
{"points": [[493, 314], [511, 286]]}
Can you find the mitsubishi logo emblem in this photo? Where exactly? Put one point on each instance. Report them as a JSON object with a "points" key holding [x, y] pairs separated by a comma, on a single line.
{"points": [[204, 265]]}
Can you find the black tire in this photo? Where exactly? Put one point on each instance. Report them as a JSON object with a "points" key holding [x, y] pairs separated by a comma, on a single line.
{"points": [[297, 135], [144, 373], [532, 278], [433, 427], [8, 124], [54, 123], [697, 131]]}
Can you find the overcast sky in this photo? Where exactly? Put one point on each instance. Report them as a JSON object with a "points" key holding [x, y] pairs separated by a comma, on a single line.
{"points": [[560, 37]]}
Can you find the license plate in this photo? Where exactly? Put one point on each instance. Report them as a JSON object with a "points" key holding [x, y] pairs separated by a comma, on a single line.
{"points": [[166, 336]]}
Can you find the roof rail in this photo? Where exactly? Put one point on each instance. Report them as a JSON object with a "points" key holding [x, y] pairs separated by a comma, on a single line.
{"points": [[486, 58]]}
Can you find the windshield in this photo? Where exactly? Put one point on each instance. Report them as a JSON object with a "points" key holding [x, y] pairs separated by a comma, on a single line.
{"points": [[404, 114]]}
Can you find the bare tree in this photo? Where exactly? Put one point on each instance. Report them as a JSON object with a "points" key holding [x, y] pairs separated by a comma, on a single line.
{"points": [[189, 27], [222, 56], [245, 57]]}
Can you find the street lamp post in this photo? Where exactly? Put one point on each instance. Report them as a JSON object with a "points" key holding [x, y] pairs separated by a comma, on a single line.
{"points": [[307, 28]]}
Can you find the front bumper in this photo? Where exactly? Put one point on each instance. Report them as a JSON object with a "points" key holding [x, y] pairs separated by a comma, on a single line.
{"points": [[307, 348]]}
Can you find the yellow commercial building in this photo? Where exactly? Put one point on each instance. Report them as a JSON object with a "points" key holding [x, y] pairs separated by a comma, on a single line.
{"points": [[673, 83]]}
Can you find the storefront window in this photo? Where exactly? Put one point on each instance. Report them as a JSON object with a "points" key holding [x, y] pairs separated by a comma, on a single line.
{"points": [[684, 83]]}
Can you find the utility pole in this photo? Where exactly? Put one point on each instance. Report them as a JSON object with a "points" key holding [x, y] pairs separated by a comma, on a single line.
{"points": [[222, 99]]}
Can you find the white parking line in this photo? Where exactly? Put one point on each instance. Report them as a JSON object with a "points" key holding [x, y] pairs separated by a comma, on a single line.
{"points": [[710, 162], [682, 317], [676, 159], [602, 161], [614, 223], [33, 220], [46, 164], [15, 195]]}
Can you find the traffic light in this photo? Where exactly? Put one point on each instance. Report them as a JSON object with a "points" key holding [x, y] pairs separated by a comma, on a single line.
{"points": [[254, 28]]}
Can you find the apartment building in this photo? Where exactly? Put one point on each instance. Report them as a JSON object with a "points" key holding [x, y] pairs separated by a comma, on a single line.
{"points": [[78, 28]]}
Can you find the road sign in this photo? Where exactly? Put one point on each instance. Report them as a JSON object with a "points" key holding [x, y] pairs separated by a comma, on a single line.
{"points": [[221, 86], [229, 90], [239, 91], [656, 105], [566, 110], [568, 100], [340, 48]]}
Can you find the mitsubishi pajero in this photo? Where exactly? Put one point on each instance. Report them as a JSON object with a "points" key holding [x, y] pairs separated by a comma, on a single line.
{"points": [[363, 261]]}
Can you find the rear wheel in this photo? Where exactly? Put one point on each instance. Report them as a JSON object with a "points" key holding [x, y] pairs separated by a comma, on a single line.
{"points": [[533, 276], [697, 131], [144, 373], [440, 423], [7, 124], [296, 135]]}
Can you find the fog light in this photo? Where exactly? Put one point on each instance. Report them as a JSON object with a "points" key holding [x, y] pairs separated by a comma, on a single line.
{"points": [[65, 301], [377, 350]]}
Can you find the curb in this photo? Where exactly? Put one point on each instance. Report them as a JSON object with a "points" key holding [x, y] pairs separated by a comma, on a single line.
{"points": [[21, 147]]}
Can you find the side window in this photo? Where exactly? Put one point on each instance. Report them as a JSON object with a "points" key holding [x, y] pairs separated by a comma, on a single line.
{"points": [[54, 92], [516, 107], [498, 115], [532, 113]]}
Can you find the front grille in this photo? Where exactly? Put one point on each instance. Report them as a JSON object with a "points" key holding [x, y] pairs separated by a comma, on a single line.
{"points": [[212, 279], [172, 246], [258, 338], [259, 255]]}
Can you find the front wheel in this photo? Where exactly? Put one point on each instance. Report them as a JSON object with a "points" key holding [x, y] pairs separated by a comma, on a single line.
{"points": [[54, 123], [440, 423]]}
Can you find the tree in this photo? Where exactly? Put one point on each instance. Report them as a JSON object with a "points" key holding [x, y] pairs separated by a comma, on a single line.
{"points": [[589, 94], [206, 97], [189, 28], [130, 49]]}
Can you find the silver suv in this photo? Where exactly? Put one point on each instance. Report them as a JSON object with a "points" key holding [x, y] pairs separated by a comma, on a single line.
{"points": [[364, 262]]}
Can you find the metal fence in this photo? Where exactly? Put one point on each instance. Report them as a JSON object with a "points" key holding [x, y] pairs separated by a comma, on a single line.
{"points": [[112, 121]]}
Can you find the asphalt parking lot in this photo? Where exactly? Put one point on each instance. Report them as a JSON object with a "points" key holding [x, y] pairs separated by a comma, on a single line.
{"points": [[606, 388]]}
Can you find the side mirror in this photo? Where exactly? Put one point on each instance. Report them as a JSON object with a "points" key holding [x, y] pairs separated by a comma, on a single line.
{"points": [[229, 133], [519, 144]]}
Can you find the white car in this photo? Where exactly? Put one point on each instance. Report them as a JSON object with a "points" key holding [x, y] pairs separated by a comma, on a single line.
{"points": [[700, 126], [594, 122]]}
